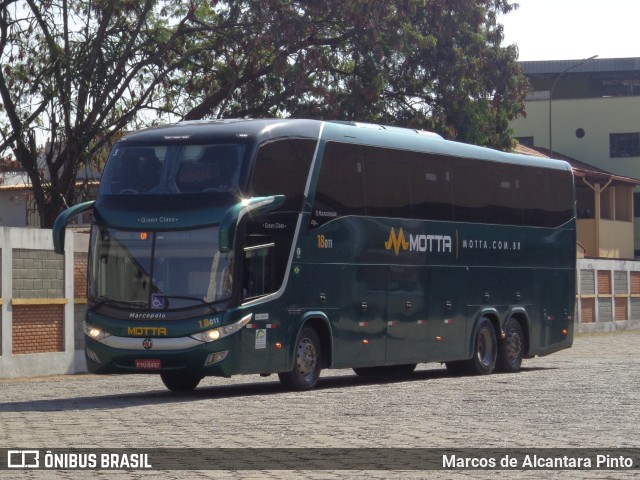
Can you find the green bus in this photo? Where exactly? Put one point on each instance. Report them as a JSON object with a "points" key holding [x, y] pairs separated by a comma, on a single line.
{"points": [[288, 246]]}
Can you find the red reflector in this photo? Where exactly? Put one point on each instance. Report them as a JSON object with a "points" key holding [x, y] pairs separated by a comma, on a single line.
{"points": [[148, 364]]}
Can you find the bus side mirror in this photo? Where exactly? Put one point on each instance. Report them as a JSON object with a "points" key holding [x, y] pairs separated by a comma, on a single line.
{"points": [[63, 219], [233, 216]]}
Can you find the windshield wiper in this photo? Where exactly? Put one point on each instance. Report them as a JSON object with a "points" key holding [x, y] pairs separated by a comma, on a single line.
{"points": [[121, 303], [197, 299], [185, 297]]}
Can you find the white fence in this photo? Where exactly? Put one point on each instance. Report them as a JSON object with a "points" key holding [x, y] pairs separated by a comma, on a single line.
{"points": [[607, 295]]}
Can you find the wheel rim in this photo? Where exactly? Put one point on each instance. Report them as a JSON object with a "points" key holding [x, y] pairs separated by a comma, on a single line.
{"points": [[307, 357], [514, 346], [485, 348]]}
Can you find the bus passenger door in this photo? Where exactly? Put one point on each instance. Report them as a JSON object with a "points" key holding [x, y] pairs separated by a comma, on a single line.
{"points": [[407, 315], [362, 325]]}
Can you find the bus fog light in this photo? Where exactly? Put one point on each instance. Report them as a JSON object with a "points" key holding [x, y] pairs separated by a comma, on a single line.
{"points": [[215, 358], [92, 355]]}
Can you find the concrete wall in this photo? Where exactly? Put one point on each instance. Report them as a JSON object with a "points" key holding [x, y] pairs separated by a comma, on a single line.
{"points": [[598, 117], [606, 238], [38, 324], [44, 301]]}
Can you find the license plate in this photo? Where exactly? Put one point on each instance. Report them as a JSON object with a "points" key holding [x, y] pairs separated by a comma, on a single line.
{"points": [[148, 364]]}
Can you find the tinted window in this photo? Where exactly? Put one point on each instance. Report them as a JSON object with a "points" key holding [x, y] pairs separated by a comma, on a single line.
{"points": [[133, 170], [506, 201], [535, 196], [176, 169], [401, 184], [282, 168], [560, 197], [431, 188], [472, 191], [387, 183], [340, 189], [213, 168], [623, 145]]}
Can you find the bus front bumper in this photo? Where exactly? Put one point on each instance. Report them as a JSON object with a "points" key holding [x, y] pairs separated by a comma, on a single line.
{"points": [[157, 355]]}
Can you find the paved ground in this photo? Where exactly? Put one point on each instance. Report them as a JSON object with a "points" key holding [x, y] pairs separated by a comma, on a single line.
{"points": [[588, 396]]}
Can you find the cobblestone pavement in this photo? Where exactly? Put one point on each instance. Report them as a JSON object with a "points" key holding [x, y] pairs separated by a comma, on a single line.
{"points": [[587, 396]]}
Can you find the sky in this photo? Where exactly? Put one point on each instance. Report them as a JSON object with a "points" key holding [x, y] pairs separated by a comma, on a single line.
{"points": [[573, 29]]}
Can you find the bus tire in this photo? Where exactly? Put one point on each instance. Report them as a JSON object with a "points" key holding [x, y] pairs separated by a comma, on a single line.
{"points": [[180, 382], [307, 362], [511, 349], [485, 348]]}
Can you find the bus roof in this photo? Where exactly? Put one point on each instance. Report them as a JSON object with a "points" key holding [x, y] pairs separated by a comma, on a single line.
{"points": [[262, 130]]}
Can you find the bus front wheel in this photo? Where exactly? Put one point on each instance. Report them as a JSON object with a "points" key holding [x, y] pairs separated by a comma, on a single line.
{"points": [[180, 382], [307, 362]]}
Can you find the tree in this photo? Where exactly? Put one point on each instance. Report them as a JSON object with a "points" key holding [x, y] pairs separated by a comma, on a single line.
{"points": [[74, 74], [433, 64]]}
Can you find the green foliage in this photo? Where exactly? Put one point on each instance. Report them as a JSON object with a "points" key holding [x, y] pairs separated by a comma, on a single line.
{"points": [[74, 73], [433, 64]]}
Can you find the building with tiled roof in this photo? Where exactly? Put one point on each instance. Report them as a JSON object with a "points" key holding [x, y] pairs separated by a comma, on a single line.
{"points": [[589, 109]]}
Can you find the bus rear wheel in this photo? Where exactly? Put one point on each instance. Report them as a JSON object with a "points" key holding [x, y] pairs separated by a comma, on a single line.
{"points": [[511, 349], [307, 362], [180, 382], [485, 352], [485, 348]]}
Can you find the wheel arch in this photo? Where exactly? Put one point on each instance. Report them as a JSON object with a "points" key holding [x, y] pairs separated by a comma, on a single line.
{"points": [[493, 316], [321, 324]]}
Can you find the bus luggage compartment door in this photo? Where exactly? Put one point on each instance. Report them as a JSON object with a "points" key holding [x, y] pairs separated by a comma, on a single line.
{"points": [[407, 315], [362, 324]]}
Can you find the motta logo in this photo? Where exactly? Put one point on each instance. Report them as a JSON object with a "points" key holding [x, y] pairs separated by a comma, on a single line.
{"points": [[418, 243], [396, 242]]}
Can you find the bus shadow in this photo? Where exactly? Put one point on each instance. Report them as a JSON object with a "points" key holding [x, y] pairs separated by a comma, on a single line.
{"points": [[263, 388]]}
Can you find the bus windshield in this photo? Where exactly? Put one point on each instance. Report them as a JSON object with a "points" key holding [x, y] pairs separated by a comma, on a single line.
{"points": [[159, 270], [162, 169]]}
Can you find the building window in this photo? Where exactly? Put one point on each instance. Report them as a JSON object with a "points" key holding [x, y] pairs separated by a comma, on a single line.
{"points": [[526, 141], [622, 145]]}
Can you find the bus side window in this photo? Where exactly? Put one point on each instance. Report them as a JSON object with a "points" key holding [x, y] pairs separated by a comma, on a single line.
{"points": [[431, 188], [282, 168], [535, 197], [387, 183], [258, 276], [340, 189], [561, 197]]}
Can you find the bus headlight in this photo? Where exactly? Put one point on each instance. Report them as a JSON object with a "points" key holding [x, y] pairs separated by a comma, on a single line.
{"points": [[95, 332], [221, 332]]}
